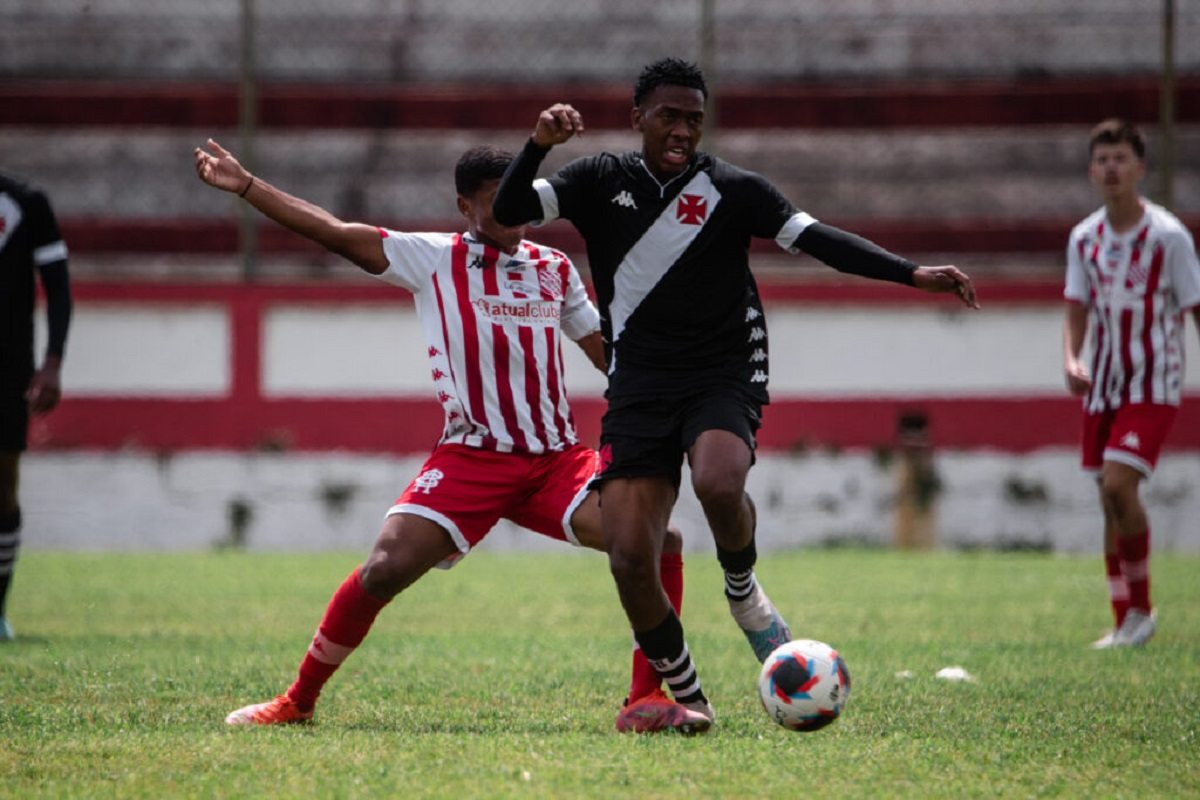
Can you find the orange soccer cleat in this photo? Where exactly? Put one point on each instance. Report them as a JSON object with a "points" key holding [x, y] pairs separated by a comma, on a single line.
{"points": [[280, 711], [657, 712]]}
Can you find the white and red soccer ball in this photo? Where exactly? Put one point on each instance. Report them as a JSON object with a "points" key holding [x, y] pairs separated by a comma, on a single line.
{"points": [[804, 685]]}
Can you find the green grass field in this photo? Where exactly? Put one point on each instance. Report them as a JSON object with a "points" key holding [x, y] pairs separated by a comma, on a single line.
{"points": [[501, 678]]}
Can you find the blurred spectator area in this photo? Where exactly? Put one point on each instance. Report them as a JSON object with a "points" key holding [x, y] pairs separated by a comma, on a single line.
{"points": [[945, 130]]}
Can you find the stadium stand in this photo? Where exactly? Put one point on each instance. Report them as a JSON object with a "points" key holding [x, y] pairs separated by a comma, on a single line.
{"points": [[926, 125]]}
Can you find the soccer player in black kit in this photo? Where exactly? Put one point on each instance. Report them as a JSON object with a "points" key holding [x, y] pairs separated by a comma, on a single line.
{"points": [[29, 243], [667, 232]]}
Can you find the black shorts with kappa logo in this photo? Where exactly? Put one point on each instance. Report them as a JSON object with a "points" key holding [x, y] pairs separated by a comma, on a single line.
{"points": [[648, 437]]}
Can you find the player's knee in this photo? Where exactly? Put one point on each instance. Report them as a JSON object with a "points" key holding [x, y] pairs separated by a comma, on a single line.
{"points": [[633, 570], [1119, 493], [720, 492], [383, 576]]}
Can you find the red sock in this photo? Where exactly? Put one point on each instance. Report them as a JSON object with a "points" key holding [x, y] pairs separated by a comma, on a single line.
{"points": [[1118, 589], [1135, 566], [645, 678], [348, 617]]}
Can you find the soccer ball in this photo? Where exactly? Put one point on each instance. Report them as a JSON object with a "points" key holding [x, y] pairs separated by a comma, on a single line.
{"points": [[804, 685]]}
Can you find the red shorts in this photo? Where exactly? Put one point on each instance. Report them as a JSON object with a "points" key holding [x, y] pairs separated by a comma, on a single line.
{"points": [[1131, 435], [467, 490]]}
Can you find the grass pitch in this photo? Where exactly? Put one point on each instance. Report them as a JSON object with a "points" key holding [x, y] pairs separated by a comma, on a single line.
{"points": [[502, 677]]}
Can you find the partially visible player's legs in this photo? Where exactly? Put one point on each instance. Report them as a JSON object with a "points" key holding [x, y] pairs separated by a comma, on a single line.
{"points": [[634, 511], [407, 548], [646, 709], [720, 461], [563, 480], [1118, 587], [10, 532], [1126, 515], [644, 679]]}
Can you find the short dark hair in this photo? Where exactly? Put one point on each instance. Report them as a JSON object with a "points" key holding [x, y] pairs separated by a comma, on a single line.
{"points": [[479, 164], [668, 72], [1118, 131]]}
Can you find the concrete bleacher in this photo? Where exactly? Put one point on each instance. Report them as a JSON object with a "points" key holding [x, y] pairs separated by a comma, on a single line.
{"points": [[406, 176], [933, 126], [587, 40]]}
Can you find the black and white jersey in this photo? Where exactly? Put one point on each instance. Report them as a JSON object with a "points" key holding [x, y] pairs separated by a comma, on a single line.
{"points": [[29, 239], [678, 303]]}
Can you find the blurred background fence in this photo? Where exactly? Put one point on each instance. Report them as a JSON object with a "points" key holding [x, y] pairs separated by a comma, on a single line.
{"points": [[934, 126]]}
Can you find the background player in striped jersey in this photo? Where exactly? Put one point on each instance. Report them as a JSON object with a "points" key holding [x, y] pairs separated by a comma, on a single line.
{"points": [[493, 308], [1131, 274], [668, 230], [29, 243]]}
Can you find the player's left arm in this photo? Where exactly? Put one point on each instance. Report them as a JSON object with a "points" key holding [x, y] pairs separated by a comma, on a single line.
{"points": [[580, 320], [592, 346], [50, 256], [773, 216], [852, 254]]}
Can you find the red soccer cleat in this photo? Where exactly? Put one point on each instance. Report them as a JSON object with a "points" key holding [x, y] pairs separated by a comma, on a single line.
{"points": [[657, 712], [280, 711]]}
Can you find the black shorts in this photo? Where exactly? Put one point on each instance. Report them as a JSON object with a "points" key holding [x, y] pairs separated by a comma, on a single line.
{"points": [[649, 437], [14, 417]]}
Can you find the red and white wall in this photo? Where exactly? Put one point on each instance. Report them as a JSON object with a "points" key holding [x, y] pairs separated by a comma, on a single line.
{"points": [[309, 410], [323, 368]]}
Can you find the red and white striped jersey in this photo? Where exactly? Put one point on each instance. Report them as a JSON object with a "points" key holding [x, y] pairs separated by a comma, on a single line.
{"points": [[492, 326], [1136, 286]]}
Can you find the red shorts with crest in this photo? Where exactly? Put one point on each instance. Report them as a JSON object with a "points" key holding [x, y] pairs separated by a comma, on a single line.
{"points": [[467, 491], [1131, 435]]}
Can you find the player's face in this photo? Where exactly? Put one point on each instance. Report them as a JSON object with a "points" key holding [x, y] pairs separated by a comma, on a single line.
{"points": [[482, 225], [671, 121], [1116, 170]]}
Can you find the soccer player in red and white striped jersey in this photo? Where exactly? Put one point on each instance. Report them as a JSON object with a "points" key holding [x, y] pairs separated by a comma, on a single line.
{"points": [[493, 308], [1132, 272]]}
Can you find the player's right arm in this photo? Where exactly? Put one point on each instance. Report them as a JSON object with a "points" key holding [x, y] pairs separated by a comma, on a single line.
{"points": [[361, 244], [1075, 322], [517, 201], [1074, 333]]}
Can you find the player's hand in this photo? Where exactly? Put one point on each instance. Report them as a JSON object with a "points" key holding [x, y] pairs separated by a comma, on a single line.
{"points": [[946, 279], [45, 390], [556, 124], [217, 167], [1078, 379]]}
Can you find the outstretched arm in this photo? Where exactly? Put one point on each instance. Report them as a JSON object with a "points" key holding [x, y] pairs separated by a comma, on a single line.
{"points": [[847, 252], [1074, 333], [516, 200], [354, 241]]}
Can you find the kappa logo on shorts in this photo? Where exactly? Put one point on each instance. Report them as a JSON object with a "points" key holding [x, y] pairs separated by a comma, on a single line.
{"points": [[1131, 441], [428, 480]]}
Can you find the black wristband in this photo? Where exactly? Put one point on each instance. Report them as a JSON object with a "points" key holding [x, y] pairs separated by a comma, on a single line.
{"points": [[249, 183]]}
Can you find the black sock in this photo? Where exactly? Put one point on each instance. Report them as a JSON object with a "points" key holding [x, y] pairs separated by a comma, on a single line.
{"points": [[10, 541], [667, 652], [739, 570]]}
